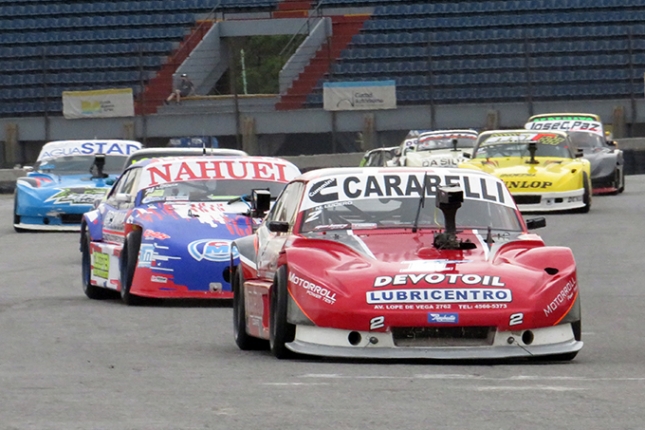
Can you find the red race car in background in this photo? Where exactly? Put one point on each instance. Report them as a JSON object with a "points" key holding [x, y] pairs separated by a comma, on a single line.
{"points": [[403, 263]]}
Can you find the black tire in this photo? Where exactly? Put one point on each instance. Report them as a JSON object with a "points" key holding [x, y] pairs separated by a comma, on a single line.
{"points": [[16, 217], [91, 291], [586, 197], [280, 331], [243, 340], [129, 258], [621, 182]]}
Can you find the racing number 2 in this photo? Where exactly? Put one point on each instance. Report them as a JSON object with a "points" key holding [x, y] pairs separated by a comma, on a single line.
{"points": [[377, 322], [516, 319]]}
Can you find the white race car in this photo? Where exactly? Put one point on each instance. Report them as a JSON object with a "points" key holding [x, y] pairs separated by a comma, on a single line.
{"points": [[441, 148]]}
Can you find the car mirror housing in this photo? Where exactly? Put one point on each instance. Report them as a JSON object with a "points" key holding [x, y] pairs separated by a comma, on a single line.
{"points": [[534, 223], [579, 153], [123, 198], [278, 226], [260, 202]]}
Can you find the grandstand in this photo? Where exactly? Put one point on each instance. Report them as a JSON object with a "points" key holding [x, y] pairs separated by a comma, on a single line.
{"points": [[478, 63]]}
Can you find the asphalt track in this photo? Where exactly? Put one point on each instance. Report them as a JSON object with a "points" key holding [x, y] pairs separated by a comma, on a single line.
{"points": [[67, 362]]}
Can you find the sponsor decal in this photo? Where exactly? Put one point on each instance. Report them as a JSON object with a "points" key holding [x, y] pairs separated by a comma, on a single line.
{"points": [[447, 295], [524, 137], [443, 318], [159, 279], [100, 265], [149, 257], [151, 234], [364, 186], [211, 250], [425, 266], [565, 296], [443, 162], [77, 196], [438, 278], [60, 149], [528, 184], [312, 289]]}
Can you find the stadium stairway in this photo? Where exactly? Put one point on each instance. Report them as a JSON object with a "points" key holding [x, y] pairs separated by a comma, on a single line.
{"points": [[293, 9], [160, 86], [344, 27]]}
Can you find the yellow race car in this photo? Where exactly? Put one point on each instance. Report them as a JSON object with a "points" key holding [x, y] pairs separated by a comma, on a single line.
{"points": [[539, 169]]}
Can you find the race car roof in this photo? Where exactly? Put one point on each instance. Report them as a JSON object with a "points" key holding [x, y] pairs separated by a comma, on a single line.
{"points": [[565, 117], [62, 148], [179, 152]]}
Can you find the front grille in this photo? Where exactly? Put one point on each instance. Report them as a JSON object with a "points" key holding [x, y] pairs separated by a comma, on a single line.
{"points": [[527, 200], [71, 218], [443, 336]]}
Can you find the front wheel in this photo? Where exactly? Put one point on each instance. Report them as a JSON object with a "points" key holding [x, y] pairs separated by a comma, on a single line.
{"points": [[586, 197], [242, 338], [16, 217], [621, 182], [91, 291], [129, 259], [280, 331]]}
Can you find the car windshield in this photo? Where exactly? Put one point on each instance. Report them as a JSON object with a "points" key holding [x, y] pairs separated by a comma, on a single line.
{"points": [[548, 145], [401, 212], [207, 190], [583, 139], [78, 164], [445, 142]]}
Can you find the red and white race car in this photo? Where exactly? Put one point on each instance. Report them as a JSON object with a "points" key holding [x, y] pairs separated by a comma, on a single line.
{"points": [[403, 263]]}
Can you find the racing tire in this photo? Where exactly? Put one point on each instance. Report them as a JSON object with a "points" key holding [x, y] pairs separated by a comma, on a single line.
{"points": [[242, 339], [91, 291], [586, 197], [280, 331], [16, 217], [129, 258], [621, 182]]}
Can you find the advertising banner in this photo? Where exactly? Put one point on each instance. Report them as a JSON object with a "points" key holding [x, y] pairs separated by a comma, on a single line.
{"points": [[366, 95], [117, 102]]}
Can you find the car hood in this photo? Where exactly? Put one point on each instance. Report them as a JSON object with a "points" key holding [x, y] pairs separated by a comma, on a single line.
{"points": [[188, 244], [519, 175], [360, 270], [78, 189]]}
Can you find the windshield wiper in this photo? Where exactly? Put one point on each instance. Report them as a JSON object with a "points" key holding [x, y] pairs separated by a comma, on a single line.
{"points": [[422, 202]]}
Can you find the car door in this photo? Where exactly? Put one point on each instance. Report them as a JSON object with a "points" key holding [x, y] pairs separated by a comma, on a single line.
{"points": [[269, 243], [119, 203]]}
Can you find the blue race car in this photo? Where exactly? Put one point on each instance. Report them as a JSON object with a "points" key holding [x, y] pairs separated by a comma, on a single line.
{"points": [[164, 229], [67, 180]]}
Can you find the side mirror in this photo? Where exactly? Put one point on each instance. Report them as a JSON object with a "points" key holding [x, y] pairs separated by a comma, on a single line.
{"points": [[397, 152], [28, 168], [278, 226], [123, 198], [612, 143], [579, 152], [534, 223], [109, 181], [260, 202], [466, 155]]}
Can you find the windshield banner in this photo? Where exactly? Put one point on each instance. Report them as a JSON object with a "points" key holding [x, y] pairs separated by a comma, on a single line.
{"points": [[567, 125], [65, 148], [346, 188], [204, 168]]}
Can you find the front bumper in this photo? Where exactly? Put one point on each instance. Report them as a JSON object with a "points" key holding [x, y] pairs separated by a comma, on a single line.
{"points": [[329, 342], [550, 202], [606, 184]]}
